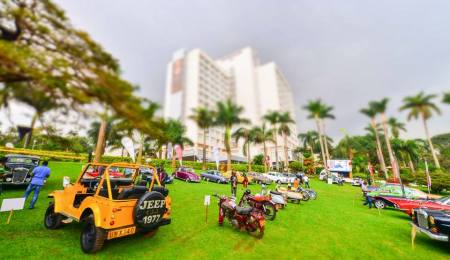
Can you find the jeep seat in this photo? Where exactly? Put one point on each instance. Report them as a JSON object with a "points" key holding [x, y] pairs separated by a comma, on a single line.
{"points": [[132, 193]]}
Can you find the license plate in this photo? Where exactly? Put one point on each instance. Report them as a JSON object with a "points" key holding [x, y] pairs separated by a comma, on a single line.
{"points": [[121, 232]]}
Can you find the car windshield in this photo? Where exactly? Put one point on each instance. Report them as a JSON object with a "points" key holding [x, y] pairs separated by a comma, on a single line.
{"points": [[96, 172], [23, 160]]}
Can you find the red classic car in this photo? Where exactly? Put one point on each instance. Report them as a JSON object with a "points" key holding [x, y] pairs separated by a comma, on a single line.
{"points": [[186, 174], [408, 205]]}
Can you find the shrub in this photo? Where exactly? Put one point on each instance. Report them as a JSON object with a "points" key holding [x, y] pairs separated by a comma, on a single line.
{"points": [[296, 166]]}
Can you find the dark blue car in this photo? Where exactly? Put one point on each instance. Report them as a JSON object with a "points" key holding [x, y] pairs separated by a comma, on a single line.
{"points": [[214, 176]]}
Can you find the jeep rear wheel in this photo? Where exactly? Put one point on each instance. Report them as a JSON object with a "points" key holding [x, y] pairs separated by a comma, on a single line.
{"points": [[92, 237], [52, 220]]}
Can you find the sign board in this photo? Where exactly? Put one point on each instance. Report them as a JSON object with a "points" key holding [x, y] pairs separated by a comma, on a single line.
{"points": [[339, 165], [330, 181], [12, 204], [207, 201], [66, 181]]}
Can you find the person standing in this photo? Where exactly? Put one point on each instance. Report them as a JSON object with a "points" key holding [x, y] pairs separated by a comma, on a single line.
{"points": [[40, 174], [306, 181], [233, 181], [245, 181], [296, 183], [365, 190]]}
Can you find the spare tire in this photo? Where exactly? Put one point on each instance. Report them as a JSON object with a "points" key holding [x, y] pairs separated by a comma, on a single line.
{"points": [[149, 210]]}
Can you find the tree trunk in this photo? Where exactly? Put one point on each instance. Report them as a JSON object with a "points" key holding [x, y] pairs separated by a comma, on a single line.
{"points": [[174, 162], [265, 156], [100, 141], [388, 144], [276, 147], [204, 149], [141, 148], [249, 162], [322, 150], [433, 152], [379, 150], [325, 140], [411, 164], [227, 146], [30, 134], [286, 160]]}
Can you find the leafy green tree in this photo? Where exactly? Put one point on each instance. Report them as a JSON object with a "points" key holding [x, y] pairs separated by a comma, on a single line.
{"points": [[176, 134], [229, 114], [249, 137], [371, 113], [285, 131], [380, 108], [258, 159], [273, 118], [396, 127], [309, 140], [262, 136], [446, 98], [315, 108], [421, 105], [204, 118]]}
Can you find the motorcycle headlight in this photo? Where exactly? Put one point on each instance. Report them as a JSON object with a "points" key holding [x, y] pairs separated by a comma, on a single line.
{"points": [[431, 220], [8, 179]]}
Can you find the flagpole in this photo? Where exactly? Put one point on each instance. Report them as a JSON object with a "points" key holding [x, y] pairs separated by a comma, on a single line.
{"points": [[428, 177]]}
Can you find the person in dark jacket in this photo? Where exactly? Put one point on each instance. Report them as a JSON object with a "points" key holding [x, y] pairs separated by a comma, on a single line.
{"points": [[233, 181]]}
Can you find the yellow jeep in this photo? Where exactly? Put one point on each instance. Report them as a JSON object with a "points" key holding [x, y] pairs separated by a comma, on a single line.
{"points": [[112, 201]]}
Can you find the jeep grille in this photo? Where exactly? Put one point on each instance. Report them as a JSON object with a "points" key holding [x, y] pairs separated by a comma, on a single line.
{"points": [[19, 175]]}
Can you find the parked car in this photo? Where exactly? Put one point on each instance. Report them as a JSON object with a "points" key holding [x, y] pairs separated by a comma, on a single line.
{"points": [[147, 175], [433, 223], [357, 181], [323, 175], [214, 176], [290, 178], [259, 178], [109, 207], [277, 177], [18, 169], [395, 190], [408, 205], [186, 174]]}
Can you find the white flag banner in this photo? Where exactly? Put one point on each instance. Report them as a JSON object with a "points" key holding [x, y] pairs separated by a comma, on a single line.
{"points": [[128, 144], [169, 151]]}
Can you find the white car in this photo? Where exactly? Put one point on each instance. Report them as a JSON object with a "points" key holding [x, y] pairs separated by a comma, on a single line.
{"points": [[290, 178], [277, 177]]}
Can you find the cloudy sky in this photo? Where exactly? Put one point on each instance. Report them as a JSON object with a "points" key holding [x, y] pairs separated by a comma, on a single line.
{"points": [[346, 52]]}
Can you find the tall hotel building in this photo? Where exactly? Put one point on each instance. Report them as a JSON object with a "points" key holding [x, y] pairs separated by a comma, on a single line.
{"points": [[196, 80]]}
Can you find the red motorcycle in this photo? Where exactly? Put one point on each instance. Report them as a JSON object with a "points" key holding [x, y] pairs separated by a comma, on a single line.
{"points": [[243, 218], [264, 203]]}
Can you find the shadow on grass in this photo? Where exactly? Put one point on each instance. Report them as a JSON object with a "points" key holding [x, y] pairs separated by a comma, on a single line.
{"points": [[423, 240]]}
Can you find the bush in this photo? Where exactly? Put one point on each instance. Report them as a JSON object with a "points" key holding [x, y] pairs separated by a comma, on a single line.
{"points": [[296, 166]]}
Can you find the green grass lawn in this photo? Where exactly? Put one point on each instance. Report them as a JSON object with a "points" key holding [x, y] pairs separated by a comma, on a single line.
{"points": [[336, 225]]}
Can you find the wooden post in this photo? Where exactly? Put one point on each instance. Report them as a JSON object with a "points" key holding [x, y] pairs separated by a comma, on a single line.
{"points": [[206, 216], [413, 236], [9, 218]]}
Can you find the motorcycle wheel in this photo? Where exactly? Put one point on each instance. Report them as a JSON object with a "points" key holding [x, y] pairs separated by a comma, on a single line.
{"points": [[270, 211], [305, 196], [312, 194], [257, 229]]}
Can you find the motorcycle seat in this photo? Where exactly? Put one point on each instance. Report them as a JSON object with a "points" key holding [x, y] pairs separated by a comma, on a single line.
{"points": [[275, 192], [243, 210]]}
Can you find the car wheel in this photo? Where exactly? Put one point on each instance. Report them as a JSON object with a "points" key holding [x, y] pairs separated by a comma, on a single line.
{"points": [[380, 204], [278, 182], [187, 180], [218, 181], [92, 237], [52, 220]]}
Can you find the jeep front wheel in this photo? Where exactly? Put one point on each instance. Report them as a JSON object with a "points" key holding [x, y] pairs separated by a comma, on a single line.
{"points": [[52, 220], [92, 237]]}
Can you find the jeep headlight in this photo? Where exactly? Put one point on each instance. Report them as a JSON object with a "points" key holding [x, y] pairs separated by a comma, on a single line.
{"points": [[431, 220], [8, 179]]}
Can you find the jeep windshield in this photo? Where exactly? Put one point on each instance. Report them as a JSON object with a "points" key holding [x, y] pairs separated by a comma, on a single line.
{"points": [[24, 160]]}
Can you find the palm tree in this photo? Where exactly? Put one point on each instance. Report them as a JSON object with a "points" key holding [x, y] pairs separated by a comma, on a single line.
{"points": [[396, 126], [262, 136], [324, 114], [446, 98], [411, 150], [380, 108], [371, 113], [228, 114], [249, 137], [314, 107], [309, 139], [204, 118], [285, 131], [421, 105], [272, 117], [175, 134]]}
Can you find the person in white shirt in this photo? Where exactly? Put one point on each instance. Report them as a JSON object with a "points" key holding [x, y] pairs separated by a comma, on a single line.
{"points": [[306, 181]]}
